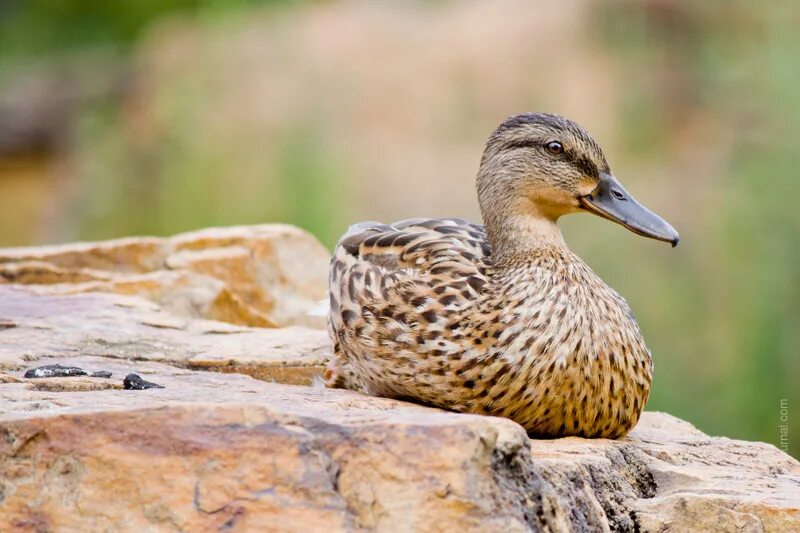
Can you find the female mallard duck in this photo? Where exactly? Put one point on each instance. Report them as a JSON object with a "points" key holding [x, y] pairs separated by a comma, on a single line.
{"points": [[501, 319]]}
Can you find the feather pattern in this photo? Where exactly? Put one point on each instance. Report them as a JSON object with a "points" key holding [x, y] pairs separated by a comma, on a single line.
{"points": [[418, 312], [428, 310]]}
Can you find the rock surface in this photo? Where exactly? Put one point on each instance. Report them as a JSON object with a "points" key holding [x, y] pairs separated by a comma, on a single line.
{"points": [[224, 451], [266, 276], [41, 327]]}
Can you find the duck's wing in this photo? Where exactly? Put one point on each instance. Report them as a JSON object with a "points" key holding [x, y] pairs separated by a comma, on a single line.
{"points": [[425, 245], [406, 276]]}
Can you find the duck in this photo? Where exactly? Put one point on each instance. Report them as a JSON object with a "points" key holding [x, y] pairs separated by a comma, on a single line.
{"points": [[500, 318]]}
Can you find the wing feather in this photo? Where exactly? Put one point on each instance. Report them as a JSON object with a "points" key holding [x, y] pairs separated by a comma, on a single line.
{"points": [[394, 288], [420, 244]]}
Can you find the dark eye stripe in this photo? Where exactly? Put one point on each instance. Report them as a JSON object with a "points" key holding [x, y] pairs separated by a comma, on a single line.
{"points": [[583, 163], [522, 143]]}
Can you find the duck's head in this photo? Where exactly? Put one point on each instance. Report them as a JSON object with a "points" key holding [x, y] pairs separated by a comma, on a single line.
{"points": [[544, 166]]}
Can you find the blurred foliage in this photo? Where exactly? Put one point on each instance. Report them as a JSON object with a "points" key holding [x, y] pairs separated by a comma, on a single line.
{"points": [[725, 334], [721, 313], [298, 182], [32, 27]]}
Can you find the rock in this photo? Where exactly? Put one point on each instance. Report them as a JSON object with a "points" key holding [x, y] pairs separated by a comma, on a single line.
{"points": [[221, 450], [7, 324], [135, 382], [669, 476], [52, 327], [212, 451], [280, 271], [51, 371], [265, 276], [130, 255], [177, 292], [73, 384]]}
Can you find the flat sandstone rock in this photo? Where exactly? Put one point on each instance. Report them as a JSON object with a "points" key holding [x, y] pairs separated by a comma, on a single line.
{"points": [[267, 276], [217, 449], [48, 328]]}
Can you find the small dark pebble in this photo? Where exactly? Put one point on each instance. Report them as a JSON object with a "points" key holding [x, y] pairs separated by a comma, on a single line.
{"points": [[58, 371], [134, 382], [6, 323]]}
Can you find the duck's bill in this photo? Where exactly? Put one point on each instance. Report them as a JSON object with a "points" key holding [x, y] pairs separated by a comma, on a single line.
{"points": [[610, 200]]}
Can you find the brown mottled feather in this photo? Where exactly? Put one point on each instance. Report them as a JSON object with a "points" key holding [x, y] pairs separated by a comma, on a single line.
{"points": [[426, 309]]}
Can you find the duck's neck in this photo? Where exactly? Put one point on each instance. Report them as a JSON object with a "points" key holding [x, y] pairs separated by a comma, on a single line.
{"points": [[521, 233]]}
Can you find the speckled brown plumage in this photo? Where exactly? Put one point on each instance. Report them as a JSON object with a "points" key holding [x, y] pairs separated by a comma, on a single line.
{"points": [[500, 320]]}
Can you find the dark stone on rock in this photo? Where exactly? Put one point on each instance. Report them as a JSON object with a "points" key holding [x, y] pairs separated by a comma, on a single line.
{"points": [[58, 371], [55, 371], [135, 382]]}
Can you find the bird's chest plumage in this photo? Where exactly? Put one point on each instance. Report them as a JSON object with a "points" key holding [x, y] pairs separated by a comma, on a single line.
{"points": [[569, 359]]}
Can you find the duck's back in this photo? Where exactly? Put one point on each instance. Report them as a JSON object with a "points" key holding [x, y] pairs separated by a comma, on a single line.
{"points": [[399, 293]]}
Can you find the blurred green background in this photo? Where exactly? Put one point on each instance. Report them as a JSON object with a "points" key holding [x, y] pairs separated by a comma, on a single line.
{"points": [[155, 117]]}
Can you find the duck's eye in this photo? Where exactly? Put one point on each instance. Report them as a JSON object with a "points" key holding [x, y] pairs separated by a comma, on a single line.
{"points": [[555, 147]]}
